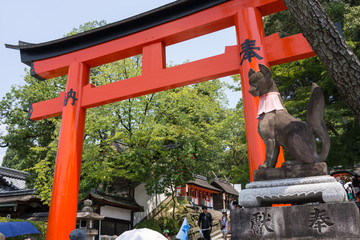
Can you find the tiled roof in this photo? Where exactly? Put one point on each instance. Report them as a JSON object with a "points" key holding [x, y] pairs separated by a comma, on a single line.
{"points": [[225, 186], [14, 179], [201, 181], [9, 172], [17, 196], [13, 187], [113, 200], [17, 192]]}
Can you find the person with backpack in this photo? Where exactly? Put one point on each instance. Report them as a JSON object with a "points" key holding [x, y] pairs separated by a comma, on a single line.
{"points": [[224, 224]]}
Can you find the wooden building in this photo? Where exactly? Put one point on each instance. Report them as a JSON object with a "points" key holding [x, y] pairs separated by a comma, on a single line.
{"points": [[117, 210], [16, 200], [199, 192], [227, 194]]}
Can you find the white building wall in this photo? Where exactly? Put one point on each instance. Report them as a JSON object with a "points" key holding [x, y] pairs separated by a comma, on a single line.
{"points": [[237, 188], [148, 202], [114, 212]]}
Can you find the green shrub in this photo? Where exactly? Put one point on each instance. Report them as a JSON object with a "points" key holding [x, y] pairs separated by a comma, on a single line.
{"points": [[41, 226], [149, 223], [170, 224]]}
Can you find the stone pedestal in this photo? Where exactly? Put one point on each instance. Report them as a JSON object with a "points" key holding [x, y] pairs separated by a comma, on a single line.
{"points": [[331, 221], [319, 209], [293, 190]]}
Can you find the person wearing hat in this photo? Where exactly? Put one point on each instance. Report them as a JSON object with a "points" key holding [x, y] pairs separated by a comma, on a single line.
{"points": [[205, 223], [224, 223], [166, 234]]}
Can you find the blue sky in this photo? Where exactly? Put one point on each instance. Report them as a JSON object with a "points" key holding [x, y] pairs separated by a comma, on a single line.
{"points": [[40, 21]]}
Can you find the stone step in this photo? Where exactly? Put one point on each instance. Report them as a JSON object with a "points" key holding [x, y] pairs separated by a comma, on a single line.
{"points": [[217, 235]]}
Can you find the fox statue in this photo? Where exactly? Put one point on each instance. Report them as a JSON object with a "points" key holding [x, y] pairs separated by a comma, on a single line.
{"points": [[277, 127]]}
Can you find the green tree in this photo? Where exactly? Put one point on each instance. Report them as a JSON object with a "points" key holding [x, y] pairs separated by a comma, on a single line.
{"points": [[294, 82], [31, 146], [234, 165], [26, 139], [160, 139], [341, 63]]}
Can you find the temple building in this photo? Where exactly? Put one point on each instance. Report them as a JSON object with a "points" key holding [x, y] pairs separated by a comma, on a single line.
{"points": [[199, 192], [118, 212], [228, 193], [16, 200]]}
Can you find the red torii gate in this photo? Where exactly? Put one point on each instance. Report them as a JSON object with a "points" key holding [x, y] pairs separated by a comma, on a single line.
{"points": [[179, 21]]}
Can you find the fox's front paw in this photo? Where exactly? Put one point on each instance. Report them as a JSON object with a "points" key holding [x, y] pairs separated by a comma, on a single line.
{"points": [[263, 166]]}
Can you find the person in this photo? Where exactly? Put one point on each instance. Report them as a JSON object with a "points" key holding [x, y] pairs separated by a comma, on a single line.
{"points": [[77, 234], [234, 204], [166, 234], [205, 223], [349, 191], [341, 182], [356, 185], [224, 223]]}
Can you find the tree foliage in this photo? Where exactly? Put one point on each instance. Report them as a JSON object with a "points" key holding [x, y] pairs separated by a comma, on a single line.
{"points": [[342, 65], [294, 82]]}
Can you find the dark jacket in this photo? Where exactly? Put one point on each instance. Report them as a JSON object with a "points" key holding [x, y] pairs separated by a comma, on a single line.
{"points": [[355, 181], [205, 220]]}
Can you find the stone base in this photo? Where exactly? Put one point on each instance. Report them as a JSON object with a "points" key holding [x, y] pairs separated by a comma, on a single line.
{"points": [[294, 190], [330, 221], [291, 171]]}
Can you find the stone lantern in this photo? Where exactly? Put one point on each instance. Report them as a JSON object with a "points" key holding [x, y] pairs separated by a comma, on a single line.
{"points": [[86, 219]]}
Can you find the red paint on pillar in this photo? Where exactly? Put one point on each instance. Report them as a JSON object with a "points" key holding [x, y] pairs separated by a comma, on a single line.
{"points": [[154, 58], [64, 200], [249, 27]]}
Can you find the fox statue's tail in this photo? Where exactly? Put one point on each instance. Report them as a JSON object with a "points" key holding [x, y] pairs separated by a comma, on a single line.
{"points": [[315, 119]]}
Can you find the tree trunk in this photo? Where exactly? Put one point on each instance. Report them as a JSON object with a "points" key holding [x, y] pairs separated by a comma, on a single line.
{"points": [[340, 62]]}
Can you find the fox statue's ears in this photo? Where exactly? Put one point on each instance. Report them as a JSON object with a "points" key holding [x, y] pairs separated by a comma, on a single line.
{"points": [[263, 69], [251, 72]]}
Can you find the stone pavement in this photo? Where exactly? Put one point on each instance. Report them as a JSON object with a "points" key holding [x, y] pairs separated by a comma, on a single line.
{"points": [[218, 236]]}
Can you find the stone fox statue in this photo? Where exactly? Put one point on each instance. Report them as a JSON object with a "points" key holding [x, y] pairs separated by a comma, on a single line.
{"points": [[277, 127]]}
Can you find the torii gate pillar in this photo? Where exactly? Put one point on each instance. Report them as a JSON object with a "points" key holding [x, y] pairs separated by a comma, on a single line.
{"points": [[64, 201], [250, 32]]}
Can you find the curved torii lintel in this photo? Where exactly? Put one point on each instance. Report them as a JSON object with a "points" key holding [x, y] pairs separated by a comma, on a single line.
{"points": [[134, 33]]}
